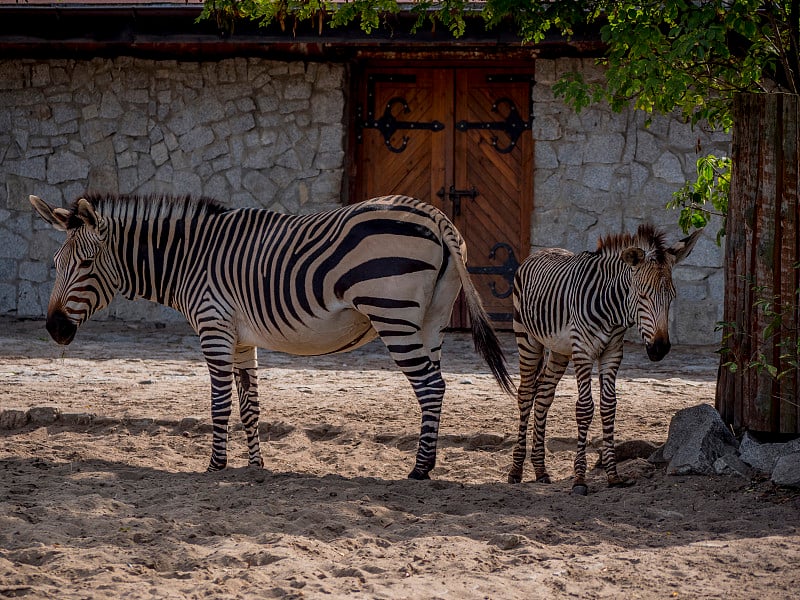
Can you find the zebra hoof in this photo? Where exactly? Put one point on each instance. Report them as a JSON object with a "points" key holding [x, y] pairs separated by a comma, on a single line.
{"points": [[580, 489], [514, 477], [418, 475], [214, 467], [543, 479]]}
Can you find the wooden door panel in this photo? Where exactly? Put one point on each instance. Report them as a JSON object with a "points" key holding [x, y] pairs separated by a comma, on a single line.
{"points": [[494, 153], [402, 150], [423, 131]]}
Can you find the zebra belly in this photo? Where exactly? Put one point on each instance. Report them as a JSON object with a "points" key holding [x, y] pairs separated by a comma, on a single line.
{"points": [[560, 342], [340, 331]]}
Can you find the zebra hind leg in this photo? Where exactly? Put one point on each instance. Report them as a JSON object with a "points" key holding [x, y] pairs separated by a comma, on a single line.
{"points": [[405, 343], [426, 379], [530, 362], [246, 376]]}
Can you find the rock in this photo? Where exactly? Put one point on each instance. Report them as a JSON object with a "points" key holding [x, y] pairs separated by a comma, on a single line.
{"points": [[77, 418], [13, 419], [43, 415], [787, 470], [731, 464], [697, 438], [763, 457]]}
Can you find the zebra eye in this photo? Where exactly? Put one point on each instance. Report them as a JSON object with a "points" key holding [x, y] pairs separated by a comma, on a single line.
{"points": [[85, 263]]}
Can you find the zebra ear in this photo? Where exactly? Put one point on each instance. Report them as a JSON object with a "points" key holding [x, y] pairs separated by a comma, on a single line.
{"points": [[85, 212], [682, 248], [57, 217], [633, 256]]}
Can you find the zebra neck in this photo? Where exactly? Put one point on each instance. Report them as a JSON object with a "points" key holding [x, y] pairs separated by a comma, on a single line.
{"points": [[616, 297], [155, 255]]}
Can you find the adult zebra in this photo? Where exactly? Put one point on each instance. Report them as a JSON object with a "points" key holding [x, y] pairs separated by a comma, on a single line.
{"points": [[307, 285], [578, 306]]}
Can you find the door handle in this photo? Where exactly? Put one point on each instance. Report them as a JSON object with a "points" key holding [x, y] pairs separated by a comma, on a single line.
{"points": [[455, 196]]}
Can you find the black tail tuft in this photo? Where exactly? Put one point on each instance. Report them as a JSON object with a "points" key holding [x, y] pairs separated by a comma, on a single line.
{"points": [[488, 346]]}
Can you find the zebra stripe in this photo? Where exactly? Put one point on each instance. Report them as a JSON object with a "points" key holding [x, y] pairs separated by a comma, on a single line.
{"points": [[577, 307], [314, 284]]}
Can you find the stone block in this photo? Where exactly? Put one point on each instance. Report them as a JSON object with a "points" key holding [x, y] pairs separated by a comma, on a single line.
{"points": [[103, 179], [648, 147], [110, 108], [66, 166], [13, 419], [732, 465], [787, 470], [34, 271], [43, 415], [8, 269], [95, 130], [763, 457], [28, 300], [13, 246], [74, 419], [196, 138], [16, 190], [8, 298], [697, 438], [187, 183], [604, 148], [546, 128], [668, 168], [545, 155], [133, 123], [694, 322], [242, 124], [599, 177], [32, 168]]}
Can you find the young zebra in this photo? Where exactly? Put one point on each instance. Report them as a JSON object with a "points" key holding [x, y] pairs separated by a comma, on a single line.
{"points": [[578, 307], [306, 285]]}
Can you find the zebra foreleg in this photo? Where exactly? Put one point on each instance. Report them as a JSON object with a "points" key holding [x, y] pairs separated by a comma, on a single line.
{"points": [[218, 351], [546, 384], [246, 376], [608, 412], [584, 413], [530, 358]]}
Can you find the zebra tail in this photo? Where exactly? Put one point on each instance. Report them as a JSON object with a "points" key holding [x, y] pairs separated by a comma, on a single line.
{"points": [[485, 339], [483, 334]]}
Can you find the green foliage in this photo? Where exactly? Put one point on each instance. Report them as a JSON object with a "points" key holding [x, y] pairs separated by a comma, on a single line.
{"points": [[691, 56], [705, 197]]}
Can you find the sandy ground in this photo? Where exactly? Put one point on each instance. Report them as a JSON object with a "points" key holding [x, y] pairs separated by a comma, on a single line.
{"points": [[111, 501]]}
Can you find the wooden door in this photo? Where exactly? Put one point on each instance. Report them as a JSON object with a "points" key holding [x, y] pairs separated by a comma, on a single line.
{"points": [[460, 139]]}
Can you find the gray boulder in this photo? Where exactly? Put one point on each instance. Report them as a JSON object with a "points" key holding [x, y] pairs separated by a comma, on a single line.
{"points": [[764, 457], [697, 439], [787, 470]]}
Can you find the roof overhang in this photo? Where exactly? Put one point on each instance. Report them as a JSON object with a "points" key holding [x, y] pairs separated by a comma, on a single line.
{"points": [[142, 28]]}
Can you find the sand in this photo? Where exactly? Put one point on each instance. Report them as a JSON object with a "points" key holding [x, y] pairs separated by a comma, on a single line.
{"points": [[110, 500]]}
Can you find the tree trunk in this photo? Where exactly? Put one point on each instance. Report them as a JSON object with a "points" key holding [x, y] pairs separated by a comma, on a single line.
{"points": [[761, 273]]}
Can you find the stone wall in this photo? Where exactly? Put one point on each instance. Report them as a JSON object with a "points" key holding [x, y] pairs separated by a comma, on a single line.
{"points": [[601, 172], [253, 132], [247, 132]]}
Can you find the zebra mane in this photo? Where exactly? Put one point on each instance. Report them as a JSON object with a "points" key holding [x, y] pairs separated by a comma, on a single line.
{"points": [[647, 237], [154, 205]]}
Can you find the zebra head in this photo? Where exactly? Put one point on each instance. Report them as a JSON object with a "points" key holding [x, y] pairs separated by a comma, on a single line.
{"points": [[85, 281], [652, 290]]}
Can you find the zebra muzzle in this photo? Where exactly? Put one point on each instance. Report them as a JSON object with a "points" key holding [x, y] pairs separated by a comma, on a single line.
{"points": [[658, 349], [60, 328]]}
